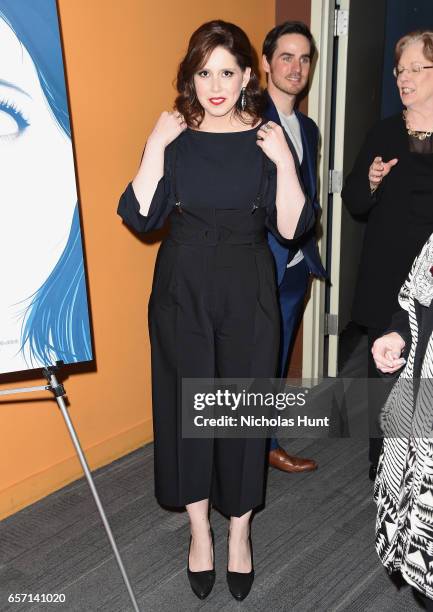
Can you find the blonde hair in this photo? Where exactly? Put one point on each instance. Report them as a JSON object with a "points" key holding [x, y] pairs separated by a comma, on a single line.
{"points": [[426, 36]]}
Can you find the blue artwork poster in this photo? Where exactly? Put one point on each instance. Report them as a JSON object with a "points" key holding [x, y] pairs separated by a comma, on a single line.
{"points": [[43, 302]]}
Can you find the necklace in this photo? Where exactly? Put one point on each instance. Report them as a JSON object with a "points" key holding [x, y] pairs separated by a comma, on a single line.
{"points": [[416, 133]]}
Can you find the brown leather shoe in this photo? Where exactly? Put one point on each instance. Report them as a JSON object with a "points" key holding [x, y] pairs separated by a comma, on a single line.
{"points": [[281, 460]]}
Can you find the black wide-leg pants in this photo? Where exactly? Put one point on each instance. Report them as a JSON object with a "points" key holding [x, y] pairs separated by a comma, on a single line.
{"points": [[213, 312]]}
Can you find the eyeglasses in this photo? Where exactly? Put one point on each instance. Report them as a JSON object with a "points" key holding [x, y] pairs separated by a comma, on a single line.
{"points": [[414, 68]]}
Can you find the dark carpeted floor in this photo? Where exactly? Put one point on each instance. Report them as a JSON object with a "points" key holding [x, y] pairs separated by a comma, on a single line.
{"points": [[313, 542]]}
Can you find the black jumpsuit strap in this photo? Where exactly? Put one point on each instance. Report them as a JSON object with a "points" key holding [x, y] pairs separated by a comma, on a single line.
{"points": [[260, 193], [177, 202]]}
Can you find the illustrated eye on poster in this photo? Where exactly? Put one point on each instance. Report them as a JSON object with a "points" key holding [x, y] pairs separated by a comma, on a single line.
{"points": [[43, 302]]}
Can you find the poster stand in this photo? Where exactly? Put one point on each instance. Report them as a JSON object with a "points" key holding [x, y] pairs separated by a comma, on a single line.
{"points": [[59, 393]]}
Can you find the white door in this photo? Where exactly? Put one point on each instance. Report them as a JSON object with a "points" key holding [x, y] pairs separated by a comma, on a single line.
{"points": [[347, 106]]}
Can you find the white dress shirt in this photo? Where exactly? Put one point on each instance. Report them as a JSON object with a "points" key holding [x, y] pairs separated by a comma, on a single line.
{"points": [[290, 124]]}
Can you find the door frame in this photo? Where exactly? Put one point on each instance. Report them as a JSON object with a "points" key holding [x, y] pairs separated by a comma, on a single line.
{"points": [[319, 109]]}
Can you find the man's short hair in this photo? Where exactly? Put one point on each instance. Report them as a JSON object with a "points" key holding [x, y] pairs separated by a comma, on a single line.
{"points": [[288, 27]]}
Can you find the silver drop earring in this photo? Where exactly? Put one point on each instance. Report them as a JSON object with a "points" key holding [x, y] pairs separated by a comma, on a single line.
{"points": [[243, 99]]}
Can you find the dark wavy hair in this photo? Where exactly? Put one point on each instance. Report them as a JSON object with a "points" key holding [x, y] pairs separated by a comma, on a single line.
{"points": [[203, 41], [288, 27]]}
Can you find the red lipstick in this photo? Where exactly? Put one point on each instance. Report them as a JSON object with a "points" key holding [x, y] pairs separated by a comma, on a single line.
{"points": [[217, 101]]}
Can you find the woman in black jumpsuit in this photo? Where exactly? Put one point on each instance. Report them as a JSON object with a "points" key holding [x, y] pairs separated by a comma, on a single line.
{"points": [[213, 310]]}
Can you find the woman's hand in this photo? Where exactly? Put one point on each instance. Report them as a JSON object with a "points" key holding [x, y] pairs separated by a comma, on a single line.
{"points": [[271, 139], [167, 128], [378, 170], [386, 353], [290, 198]]}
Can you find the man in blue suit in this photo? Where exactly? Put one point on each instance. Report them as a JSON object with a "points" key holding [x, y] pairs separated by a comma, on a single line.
{"points": [[287, 52]]}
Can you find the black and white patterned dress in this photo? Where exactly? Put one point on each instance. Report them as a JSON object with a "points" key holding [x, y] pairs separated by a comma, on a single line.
{"points": [[403, 488]]}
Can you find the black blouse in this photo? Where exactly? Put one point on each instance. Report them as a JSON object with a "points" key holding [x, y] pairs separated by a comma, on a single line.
{"points": [[214, 170], [400, 219]]}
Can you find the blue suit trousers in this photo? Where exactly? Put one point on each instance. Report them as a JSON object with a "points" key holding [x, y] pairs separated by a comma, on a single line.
{"points": [[292, 292]]}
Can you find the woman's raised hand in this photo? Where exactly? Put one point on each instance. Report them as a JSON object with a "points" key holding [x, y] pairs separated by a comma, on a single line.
{"points": [[378, 170], [386, 353], [271, 139], [167, 128]]}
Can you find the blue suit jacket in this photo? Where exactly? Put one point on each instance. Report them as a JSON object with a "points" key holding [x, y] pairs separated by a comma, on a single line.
{"points": [[308, 244]]}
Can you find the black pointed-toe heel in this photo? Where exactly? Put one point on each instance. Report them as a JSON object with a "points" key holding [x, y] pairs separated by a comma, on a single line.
{"points": [[202, 582], [240, 583]]}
